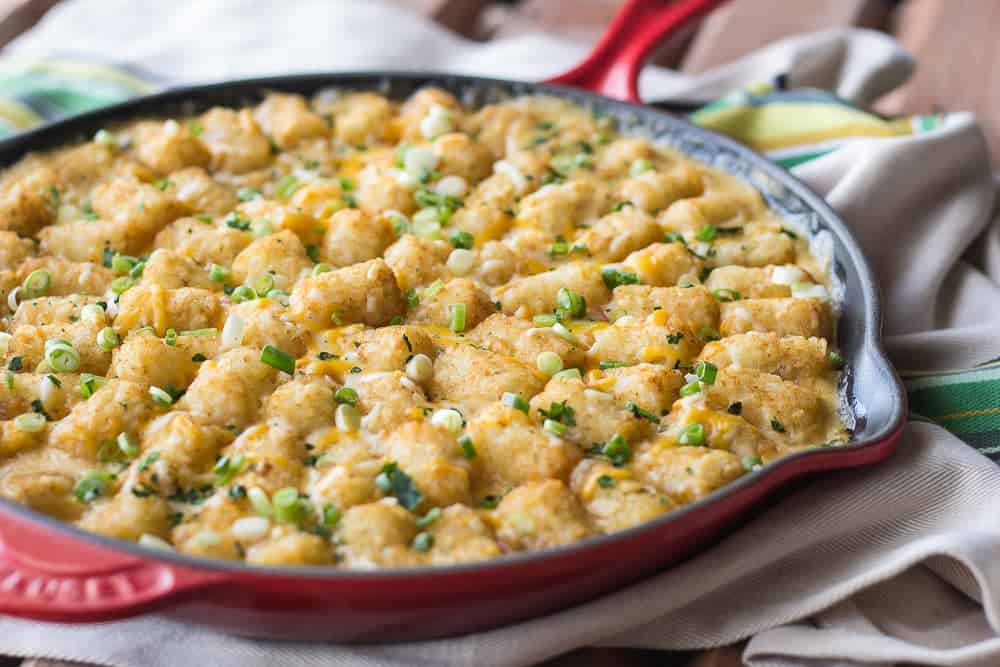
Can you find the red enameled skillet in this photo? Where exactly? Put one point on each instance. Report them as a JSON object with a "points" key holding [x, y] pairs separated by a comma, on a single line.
{"points": [[52, 571]]}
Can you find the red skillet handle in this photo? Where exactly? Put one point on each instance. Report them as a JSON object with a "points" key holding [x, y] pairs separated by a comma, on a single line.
{"points": [[47, 576], [612, 67]]}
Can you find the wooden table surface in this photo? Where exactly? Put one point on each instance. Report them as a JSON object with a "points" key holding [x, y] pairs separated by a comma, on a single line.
{"points": [[955, 43]]}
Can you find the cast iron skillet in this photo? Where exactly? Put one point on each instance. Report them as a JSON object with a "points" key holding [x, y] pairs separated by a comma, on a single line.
{"points": [[54, 572]]}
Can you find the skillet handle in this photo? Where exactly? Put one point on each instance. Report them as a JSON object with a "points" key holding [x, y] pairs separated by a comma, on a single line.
{"points": [[47, 575], [612, 67]]}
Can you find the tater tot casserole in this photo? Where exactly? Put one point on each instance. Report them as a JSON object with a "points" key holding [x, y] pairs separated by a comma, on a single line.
{"points": [[351, 331]]}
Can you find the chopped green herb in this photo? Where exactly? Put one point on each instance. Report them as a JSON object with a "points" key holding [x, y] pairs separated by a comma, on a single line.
{"points": [[706, 233], [393, 481]]}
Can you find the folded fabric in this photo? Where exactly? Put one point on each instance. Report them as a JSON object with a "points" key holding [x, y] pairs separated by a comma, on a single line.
{"points": [[856, 567]]}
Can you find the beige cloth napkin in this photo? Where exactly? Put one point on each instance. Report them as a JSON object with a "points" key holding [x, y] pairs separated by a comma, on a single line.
{"points": [[898, 562]]}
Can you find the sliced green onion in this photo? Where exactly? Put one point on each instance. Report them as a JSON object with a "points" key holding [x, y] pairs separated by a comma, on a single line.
{"points": [[615, 277], [617, 450], [691, 388], [161, 397], [287, 508], [549, 363], [751, 463], [90, 383], [457, 323], [560, 330], [122, 284], [706, 233], [170, 337], [127, 446], [571, 303], [426, 224], [640, 167], [29, 422], [430, 518], [692, 435], [611, 363], [569, 374], [559, 248], [321, 268], [331, 515], [347, 418], [837, 361], [243, 293], [512, 400], [61, 356], [261, 228], [423, 542], [709, 333], [346, 395], [92, 313], [641, 412], [287, 186], [207, 331], [92, 485], [461, 239], [419, 368], [279, 295], [122, 263], [226, 468], [461, 261], [248, 194], [706, 371], [279, 359], [37, 283], [259, 501], [218, 274], [606, 482], [468, 449], [107, 339], [726, 295], [544, 320], [264, 284], [450, 420], [554, 427], [432, 290]]}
